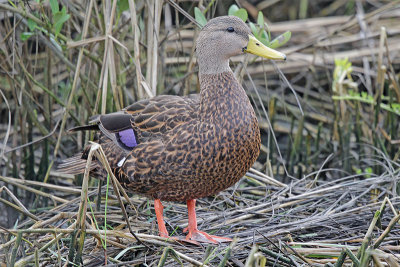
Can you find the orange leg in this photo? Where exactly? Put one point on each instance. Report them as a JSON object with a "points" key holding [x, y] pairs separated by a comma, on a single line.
{"points": [[196, 235], [162, 230]]}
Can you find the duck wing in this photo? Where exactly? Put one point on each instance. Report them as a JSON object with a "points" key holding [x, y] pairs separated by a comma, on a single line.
{"points": [[162, 113], [145, 122], [147, 119]]}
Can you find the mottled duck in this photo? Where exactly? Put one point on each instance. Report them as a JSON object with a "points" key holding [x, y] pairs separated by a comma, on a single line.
{"points": [[177, 148]]}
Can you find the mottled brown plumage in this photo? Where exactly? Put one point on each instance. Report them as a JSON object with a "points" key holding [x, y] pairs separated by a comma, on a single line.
{"points": [[185, 147]]}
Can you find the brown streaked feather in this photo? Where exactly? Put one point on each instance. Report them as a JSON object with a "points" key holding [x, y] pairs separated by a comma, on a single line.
{"points": [[162, 113]]}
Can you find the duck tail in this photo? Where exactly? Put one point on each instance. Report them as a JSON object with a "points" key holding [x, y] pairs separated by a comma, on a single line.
{"points": [[75, 165]]}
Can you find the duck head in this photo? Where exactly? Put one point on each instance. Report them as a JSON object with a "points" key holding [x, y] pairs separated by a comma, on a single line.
{"points": [[224, 37]]}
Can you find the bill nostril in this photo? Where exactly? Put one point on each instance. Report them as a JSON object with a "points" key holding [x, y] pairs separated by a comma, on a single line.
{"points": [[257, 44]]}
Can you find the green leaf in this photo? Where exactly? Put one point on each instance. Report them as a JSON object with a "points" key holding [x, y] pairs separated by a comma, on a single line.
{"points": [[259, 33], [396, 106], [122, 5], [26, 35], [199, 16], [232, 9], [59, 19], [254, 30], [368, 170], [242, 14], [31, 25], [342, 67], [54, 6], [265, 35], [260, 19], [280, 40], [266, 27]]}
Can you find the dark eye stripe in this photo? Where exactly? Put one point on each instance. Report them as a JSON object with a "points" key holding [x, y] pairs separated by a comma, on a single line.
{"points": [[230, 29]]}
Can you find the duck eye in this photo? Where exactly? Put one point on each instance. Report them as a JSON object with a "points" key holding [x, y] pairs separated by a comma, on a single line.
{"points": [[230, 29]]}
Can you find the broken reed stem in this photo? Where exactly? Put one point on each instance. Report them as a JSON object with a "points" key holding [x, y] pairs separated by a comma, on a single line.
{"points": [[385, 233], [103, 159]]}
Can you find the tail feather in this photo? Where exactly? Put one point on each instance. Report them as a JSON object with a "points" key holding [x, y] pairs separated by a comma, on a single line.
{"points": [[75, 165]]}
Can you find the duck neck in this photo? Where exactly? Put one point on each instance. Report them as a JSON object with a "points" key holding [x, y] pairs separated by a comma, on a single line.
{"points": [[213, 64], [221, 94]]}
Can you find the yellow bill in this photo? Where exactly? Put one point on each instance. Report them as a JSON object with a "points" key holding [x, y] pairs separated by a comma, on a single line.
{"points": [[255, 47]]}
